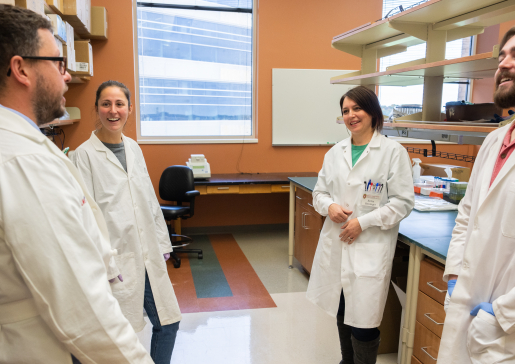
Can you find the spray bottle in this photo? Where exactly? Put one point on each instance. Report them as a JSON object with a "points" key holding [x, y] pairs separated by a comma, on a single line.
{"points": [[416, 170]]}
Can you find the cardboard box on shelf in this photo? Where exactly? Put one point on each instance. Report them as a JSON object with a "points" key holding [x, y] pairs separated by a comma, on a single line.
{"points": [[37, 6], [70, 35], [60, 46], [78, 13], [57, 6], [8, 2], [438, 170], [98, 23], [83, 58], [69, 53], [59, 27]]}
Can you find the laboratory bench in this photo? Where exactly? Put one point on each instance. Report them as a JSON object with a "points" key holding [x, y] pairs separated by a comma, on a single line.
{"points": [[427, 234]]}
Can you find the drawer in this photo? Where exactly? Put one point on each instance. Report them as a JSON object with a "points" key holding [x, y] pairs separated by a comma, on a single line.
{"points": [[430, 313], [414, 360], [304, 198], [223, 189], [259, 188], [201, 189], [280, 188], [426, 345], [431, 282]]}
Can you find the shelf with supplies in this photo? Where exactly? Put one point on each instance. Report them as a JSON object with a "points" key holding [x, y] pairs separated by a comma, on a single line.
{"points": [[74, 117]]}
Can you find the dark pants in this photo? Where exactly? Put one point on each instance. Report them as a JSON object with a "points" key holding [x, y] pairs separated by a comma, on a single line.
{"points": [[359, 334], [163, 337]]}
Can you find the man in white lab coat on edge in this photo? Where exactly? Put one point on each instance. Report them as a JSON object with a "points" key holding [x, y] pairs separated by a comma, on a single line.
{"points": [[55, 261], [480, 267]]}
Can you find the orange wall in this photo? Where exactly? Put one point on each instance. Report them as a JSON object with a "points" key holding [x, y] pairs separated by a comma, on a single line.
{"points": [[291, 34]]}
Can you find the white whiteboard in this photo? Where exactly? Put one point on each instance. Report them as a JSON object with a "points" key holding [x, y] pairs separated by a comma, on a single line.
{"points": [[305, 106]]}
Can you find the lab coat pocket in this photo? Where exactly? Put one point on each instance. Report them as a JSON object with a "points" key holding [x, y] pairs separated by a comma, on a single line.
{"points": [[507, 225], [127, 265], [486, 340], [370, 259]]}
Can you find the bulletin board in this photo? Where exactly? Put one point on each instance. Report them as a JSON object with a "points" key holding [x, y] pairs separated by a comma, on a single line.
{"points": [[305, 106]]}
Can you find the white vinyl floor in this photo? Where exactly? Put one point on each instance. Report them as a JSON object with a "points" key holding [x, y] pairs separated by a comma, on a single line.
{"points": [[295, 332]]}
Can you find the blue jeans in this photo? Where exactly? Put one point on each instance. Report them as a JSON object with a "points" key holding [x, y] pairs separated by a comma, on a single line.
{"points": [[359, 334], [163, 337]]}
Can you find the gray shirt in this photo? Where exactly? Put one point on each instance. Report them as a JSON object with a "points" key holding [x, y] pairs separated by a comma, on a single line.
{"points": [[119, 152]]}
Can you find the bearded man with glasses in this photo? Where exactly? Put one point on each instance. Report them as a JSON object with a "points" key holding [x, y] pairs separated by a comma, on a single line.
{"points": [[56, 305]]}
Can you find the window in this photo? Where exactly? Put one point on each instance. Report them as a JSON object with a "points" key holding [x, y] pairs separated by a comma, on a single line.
{"points": [[390, 96], [195, 71]]}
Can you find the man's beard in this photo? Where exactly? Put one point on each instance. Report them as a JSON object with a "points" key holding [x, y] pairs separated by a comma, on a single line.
{"points": [[46, 105], [504, 97]]}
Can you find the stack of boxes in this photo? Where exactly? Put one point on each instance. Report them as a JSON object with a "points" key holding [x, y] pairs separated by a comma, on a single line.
{"points": [[69, 48], [78, 14], [59, 28]]}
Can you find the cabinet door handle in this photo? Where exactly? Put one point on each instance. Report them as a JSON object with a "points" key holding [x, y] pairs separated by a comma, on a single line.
{"points": [[223, 188], [427, 315], [300, 198], [310, 205], [303, 220], [430, 284], [285, 186], [425, 351]]}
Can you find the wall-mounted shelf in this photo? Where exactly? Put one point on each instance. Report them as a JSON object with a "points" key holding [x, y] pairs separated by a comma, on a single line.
{"points": [[443, 133], [477, 66], [80, 79], [74, 113]]}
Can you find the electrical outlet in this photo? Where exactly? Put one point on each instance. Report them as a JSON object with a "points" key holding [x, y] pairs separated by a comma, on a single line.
{"points": [[404, 132]]}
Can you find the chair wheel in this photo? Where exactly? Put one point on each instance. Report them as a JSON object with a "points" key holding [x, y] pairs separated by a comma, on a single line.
{"points": [[176, 264], [200, 256]]}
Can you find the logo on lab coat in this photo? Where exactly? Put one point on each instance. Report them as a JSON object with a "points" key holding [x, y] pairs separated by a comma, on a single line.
{"points": [[83, 201]]}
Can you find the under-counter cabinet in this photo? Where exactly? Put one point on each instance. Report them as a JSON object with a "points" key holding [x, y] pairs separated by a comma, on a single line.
{"points": [[308, 224], [430, 312]]}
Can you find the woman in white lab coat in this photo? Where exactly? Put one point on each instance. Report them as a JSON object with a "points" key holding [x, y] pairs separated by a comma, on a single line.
{"points": [[115, 172], [365, 189]]}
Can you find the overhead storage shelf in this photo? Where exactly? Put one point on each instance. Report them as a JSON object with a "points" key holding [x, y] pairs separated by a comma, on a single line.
{"points": [[457, 17], [477, 66]]}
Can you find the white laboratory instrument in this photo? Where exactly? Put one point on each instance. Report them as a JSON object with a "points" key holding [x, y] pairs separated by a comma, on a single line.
{"points": [[199, 165]]}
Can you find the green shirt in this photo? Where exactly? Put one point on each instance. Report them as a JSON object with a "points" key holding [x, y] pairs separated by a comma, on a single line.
{"points": [[357, 150]]}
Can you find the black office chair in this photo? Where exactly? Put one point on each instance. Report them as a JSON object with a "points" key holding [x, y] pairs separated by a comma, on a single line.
{"points": [[177, 185]]}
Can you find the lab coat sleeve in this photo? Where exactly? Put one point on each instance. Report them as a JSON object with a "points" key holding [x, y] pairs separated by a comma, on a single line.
{"points": [[53, 248], [322, 199], [163, 236], [401, 197], [81, 160], [504, 309]]}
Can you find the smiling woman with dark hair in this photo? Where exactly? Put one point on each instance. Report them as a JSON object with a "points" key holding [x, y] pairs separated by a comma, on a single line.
{"points": [[365, 189]]}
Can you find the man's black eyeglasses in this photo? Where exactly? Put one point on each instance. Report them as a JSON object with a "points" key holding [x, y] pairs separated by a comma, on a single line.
{"points": [[61, 60]]}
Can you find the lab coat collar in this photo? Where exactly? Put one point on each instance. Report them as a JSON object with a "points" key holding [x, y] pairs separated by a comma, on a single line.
{"points": [[375, 142], [493, 153], [17, 124], [100, 147]]}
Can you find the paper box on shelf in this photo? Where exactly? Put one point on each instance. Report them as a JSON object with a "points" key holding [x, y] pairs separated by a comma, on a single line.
{"points": [[83, 58], [56, 5], [69, 53], [438, 170], [70, 35], [59, 27], [78, 13], [37, 6], [8, 2], [60, 46], [98, 23]]}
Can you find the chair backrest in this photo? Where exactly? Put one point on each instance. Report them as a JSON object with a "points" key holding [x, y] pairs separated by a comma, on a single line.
{"points": [[175, 182]]}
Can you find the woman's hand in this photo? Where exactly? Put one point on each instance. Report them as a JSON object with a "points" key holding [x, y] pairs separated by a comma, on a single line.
{"points": [[351, 231], [338, 214]]}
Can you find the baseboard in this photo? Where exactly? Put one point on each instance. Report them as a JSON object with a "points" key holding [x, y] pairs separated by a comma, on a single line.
{"points": [[201, 230]]}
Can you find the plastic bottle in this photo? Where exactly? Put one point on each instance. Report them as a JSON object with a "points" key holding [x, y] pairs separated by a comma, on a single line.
{"points": [[416, 170]]}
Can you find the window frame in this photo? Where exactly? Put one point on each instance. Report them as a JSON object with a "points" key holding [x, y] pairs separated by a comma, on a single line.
{"points": [[253, 138]]}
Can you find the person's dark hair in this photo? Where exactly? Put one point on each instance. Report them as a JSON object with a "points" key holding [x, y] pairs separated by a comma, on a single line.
{"points": [[510, 33], [367, 100], [111, 83], [18, 36]]}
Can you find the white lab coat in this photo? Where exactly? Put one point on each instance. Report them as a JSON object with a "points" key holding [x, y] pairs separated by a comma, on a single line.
{"points": [[482, 254], [136, 225], [363, 268], [54, 295]]}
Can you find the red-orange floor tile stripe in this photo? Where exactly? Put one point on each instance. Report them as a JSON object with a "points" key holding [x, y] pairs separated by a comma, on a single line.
{"points": [[248, 290]]}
